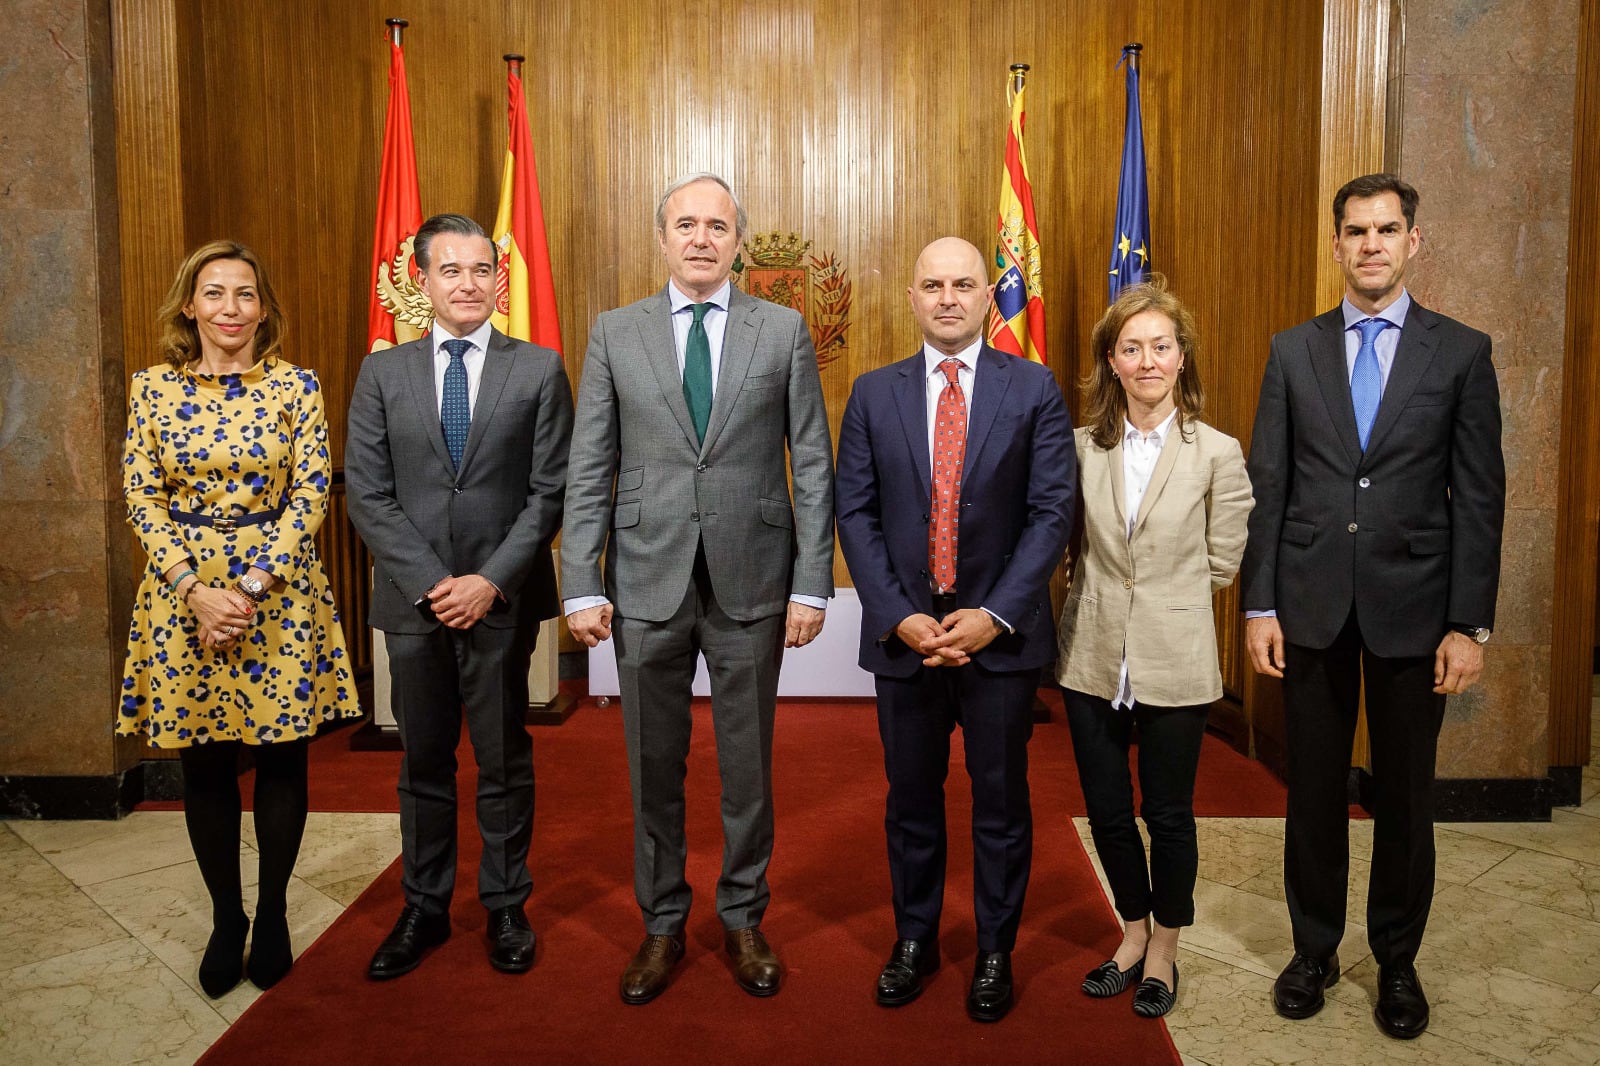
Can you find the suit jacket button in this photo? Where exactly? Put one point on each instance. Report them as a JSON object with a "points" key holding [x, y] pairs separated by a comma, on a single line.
{"points": [[694, 516], [1127, 582], [1365, 483], [1351, 527], [456, 490], [701, 468]]}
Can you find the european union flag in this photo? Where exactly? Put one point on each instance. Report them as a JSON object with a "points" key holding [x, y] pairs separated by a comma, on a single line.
{"points": [[1130, 242]]}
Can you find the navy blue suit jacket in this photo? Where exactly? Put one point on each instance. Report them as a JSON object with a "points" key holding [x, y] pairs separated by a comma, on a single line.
{"points": [[1017, 495]]}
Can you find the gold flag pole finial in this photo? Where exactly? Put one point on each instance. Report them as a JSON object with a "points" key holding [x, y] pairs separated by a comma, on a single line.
{"points": [[1131, 52], [1019, 74], [396, 28]]}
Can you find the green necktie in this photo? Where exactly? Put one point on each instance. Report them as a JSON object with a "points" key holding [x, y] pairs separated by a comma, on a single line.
{"points": [[697, 371]]}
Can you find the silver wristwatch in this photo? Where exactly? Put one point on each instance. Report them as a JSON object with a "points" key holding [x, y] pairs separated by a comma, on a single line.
{"points": [[1475, 634], [256, 589]]}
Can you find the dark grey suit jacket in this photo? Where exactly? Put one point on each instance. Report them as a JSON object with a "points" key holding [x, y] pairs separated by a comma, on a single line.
{"points": [[645, 493], [496, 516], [1408, 532]]}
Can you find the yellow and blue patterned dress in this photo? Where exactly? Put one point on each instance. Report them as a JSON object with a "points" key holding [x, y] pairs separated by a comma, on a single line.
{"points": [[224, 446]]}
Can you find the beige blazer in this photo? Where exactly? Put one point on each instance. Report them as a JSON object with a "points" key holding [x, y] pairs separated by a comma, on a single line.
{"points": [[1151, 593]]}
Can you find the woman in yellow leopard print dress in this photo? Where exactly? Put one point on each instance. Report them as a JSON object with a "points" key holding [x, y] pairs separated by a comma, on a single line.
{"points": [[235, 639]]}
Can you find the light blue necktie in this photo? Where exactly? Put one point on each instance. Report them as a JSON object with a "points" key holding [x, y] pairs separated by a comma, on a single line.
{"points": [[1366, 382], [454, 412]]}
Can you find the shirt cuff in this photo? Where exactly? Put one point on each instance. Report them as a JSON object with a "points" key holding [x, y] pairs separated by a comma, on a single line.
{"points": [[582, 603], [1003, 623], [819, 602], [1260, 614]]}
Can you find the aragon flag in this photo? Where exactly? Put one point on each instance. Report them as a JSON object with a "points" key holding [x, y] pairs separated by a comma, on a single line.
{"points": [[1016, 319], [397, 311], [525, 293]]}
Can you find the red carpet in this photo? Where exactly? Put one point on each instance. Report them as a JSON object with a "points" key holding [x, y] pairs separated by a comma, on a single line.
{"points": [[830, 921]]}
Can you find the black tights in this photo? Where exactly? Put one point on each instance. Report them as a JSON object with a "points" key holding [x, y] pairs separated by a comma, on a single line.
{"points": [[211, 809]]}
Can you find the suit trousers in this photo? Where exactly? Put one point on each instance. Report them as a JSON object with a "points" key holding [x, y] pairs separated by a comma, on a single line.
{"points": [[1169, 754], [1321, 689], [655, 672], [916, 716], [435, 675]]}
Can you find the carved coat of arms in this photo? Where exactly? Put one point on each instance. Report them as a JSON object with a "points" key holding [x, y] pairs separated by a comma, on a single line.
{"points": [[774, 266], [402, 297]]}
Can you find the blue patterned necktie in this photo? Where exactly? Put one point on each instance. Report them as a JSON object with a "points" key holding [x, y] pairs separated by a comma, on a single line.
{"points": [[1366, 382], [697, 371], [454, 413]]}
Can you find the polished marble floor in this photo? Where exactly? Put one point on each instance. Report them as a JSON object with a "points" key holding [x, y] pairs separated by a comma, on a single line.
{"points": [[102, 925]]}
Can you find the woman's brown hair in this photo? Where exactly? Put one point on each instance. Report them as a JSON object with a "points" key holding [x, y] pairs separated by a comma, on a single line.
{"points": [[1105, 404], [179, 339]]}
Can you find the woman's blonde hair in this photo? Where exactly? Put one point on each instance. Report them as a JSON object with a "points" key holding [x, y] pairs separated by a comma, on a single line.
{"points": [[179, 339], [1104, 401]]}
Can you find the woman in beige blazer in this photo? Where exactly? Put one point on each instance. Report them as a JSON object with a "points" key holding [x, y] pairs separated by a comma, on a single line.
{"points": [[1165, 501]]}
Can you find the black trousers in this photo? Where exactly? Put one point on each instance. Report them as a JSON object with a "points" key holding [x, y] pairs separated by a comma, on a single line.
{"points": [[916, 716], [1169, 753], [435, 676], [1321, 689]]}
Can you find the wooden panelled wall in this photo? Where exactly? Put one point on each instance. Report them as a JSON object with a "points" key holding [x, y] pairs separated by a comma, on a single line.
{"points": [[867, 126]]}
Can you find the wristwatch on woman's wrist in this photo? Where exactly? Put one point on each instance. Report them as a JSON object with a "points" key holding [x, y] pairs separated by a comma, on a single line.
{"points": [[253, 587]]}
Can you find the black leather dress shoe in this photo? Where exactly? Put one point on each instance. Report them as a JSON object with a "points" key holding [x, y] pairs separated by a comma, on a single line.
{"points": [[1297, 993], [510, 940], [989, 999], [407, 942], [900, 981], [1402, 1009]]}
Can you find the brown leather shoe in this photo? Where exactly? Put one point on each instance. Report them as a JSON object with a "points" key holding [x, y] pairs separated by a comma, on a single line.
{"points": [[650, 969], [755, 965]]}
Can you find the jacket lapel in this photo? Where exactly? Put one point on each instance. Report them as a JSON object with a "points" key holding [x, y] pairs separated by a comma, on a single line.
{"points": [[990, 380], [419, 371], [661, 350], [1412, 357], [738, 351], [496, 369], [1118, 491], [911, 398], [1158, 477], [1327, 364]]}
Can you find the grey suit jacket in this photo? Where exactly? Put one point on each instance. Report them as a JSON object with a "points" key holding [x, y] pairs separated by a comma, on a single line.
{"points": [[645, 493], [1407, 532], [496, 516]]}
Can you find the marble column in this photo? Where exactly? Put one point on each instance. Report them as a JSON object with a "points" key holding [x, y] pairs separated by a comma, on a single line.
{"points": [[1487, 125], [67, 568]]}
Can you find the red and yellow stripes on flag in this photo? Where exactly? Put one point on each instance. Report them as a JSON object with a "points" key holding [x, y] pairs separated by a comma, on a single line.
{"points": [[525, 293], [1016, 319], [399, 211]]}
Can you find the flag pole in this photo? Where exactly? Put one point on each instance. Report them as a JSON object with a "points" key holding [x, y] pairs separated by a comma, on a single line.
{"points": [[1132, 51], [1019, 75], [396, 28], [515, 62]]}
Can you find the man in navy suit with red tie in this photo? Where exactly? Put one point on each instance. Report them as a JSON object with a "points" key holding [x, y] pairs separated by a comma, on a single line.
{"points": [[954, 495], [1373, 560]]}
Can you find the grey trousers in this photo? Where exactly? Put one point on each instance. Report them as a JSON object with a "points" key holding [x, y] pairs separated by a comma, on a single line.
{"points": [[436, 675], [655, 671]]}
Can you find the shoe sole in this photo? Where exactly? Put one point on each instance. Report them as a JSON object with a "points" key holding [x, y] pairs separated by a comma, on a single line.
{"points": [[759, 993], [1397, 1034], [390, 975], [504, 967], [896, 1001], [639, 1001], [1302, 1013], [989, 1016]]}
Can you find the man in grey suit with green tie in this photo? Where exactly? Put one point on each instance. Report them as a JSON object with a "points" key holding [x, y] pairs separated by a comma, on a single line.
{"points": [[690, 401]]}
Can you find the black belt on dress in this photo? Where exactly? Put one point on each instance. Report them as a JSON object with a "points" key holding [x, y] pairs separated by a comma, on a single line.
{"points": [[225, 525]]}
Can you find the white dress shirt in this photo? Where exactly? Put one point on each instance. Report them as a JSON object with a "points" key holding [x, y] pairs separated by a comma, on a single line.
{"points": [[479, 339], [1140, 453]]}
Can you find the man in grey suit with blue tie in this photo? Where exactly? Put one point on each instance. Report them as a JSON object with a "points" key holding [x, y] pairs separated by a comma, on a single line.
{"points": [[456, 468], [696, 407], [1372, 567]]}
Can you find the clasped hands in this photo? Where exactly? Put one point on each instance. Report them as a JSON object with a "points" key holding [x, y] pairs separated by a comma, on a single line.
{"points": [[951, 641], [1457, 662], [461, 602]]}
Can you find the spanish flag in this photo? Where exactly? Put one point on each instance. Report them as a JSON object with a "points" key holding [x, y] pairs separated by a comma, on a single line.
{"points": [[399, 214], [525, 293], [1016, 319]]}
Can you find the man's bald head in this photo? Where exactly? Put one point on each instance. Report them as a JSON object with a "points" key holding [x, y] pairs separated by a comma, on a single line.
{"points": [[949, 294]]}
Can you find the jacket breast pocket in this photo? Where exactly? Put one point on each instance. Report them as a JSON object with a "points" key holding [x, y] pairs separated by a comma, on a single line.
{"points": [[625, 515], [1429, 399], [766, 379], [1298, 533]]}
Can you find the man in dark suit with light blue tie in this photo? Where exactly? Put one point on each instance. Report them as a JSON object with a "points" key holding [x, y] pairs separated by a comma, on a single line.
{"points": [[456, 465], [1372, 565], [956, 480]]}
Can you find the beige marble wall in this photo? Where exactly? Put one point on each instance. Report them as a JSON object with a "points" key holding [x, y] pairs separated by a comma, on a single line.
{"points": [[65, 567], [1487, 138]]}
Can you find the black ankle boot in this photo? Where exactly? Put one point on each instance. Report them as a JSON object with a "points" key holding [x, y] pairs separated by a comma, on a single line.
{"points": [[270, 952], [222, 966]]}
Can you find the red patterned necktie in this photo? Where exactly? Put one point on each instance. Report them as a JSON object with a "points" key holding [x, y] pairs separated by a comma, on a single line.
{"points": [[949, 448]]}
